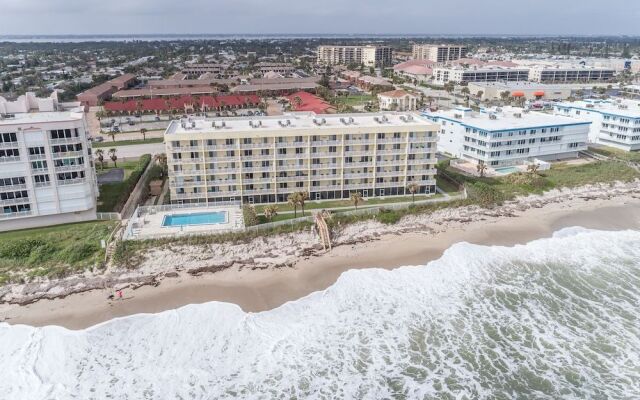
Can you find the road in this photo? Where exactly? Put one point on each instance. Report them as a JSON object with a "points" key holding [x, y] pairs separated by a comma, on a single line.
{"points": [[135, 151]]}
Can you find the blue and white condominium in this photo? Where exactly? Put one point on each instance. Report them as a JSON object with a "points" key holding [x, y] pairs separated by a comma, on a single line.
{"points": [[615, 123], [508, 136], [265, 159], [46, 176]]}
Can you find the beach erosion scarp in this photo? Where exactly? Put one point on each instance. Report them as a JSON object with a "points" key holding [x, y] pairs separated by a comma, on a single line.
{"points": [[286, 251]]}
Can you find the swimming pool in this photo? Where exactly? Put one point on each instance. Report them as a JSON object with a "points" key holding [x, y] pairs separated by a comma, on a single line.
{"points": [[204, 218], [507, 170]]}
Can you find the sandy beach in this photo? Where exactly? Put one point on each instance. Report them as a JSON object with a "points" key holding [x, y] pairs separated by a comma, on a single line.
{"points": [[256, 290]]}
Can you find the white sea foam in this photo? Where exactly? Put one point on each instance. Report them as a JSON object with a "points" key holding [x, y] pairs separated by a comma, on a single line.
{"points": [[554, 318]]}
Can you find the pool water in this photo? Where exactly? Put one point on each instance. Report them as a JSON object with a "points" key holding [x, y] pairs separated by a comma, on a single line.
{"points": [[507, 170], [204, 218]]}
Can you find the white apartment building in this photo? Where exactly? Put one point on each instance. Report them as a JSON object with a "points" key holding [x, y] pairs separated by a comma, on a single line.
{"points": [[46, 170], [528, 90], [615, 122], [508, 136], [369, 56], [460, 74], [264, 159], [565, 73], [439, 53]]}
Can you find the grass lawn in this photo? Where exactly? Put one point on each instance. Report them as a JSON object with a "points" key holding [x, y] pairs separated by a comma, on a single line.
{"points": [[113, 195], [617, 153], [110, 144], [354, 99], [52, 251], [560, 175], [446, 185]]}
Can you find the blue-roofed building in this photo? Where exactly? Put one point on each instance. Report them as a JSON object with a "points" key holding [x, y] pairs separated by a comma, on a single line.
{"points": [[615, 122], [508, 136]]}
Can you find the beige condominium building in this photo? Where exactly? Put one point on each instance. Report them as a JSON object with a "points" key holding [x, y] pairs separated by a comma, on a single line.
{"points": [[370, 56], [440, 53], [264, 159]]}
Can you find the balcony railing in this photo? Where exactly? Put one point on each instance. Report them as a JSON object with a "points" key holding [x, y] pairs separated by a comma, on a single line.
{"points": [[35, 157], [9, 159], [16, 214], [62, 168], [10, 145], [8, 202], [66, 140], [291, 144], [11, 188], [71, 181], [68, 154]]}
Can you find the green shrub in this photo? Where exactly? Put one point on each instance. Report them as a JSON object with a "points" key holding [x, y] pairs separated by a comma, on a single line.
{"points": [[42, 253], [388, 217], [78, 252], [250, 215], [19, 248], [483, 194], [114, 196]]}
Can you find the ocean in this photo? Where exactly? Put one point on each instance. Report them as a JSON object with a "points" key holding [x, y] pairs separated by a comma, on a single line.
{"points": [[557, 318]]}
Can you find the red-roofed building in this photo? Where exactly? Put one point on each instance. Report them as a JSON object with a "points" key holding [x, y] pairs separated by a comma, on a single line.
{"points": [[304, 101], [187, 104]]}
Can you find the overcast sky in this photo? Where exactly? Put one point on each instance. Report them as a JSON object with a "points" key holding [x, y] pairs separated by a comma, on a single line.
{"points": [[545, 17]]}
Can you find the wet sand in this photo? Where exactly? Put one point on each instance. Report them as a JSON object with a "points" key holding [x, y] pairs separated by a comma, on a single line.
{"points": [[259, 290]]}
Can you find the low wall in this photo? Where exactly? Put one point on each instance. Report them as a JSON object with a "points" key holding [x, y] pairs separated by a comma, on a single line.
{"points": [[39, 221]]}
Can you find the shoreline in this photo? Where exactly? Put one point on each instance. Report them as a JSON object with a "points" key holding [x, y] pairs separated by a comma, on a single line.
{"points": [[257, 289]]}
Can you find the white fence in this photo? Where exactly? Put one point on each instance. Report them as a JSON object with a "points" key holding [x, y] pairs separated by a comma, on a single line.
{"points": [[108, 216]]}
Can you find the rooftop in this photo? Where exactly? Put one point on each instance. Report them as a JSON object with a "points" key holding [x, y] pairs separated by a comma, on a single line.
{"points": [[296, 121], [525, 85], [503, 119], [618, 107], [40, 117]]}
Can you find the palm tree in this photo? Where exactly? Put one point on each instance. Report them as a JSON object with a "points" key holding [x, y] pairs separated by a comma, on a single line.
{"points": [[356, 198], [533, 168], [144, 133], [297, 101], [270, 212], [162, 161], [302, 197], [113, 156], [100, 154], [482, 169], [505, 95], [293, 201], [413, 188]]}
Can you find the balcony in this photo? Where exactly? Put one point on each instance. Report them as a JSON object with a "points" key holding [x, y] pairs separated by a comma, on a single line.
{"points": [[257, 169], [16, 214], [189, 196], [12, 188], [358, 175], [252, 192], [291, 178], [224, 193], [41, 184], [72, 140], [187, 184], [40, 170], [320, 143], [9, 145], [292, 167], [36, 157], [291, 144], [9, 159], [69, 154], [71, 181], [10, 202], [391, 140], [325, 187], [63, 168], [187, 160], [183, 149]]}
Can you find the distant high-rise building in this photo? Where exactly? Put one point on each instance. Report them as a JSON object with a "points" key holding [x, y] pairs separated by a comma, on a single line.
{"points": [[370, 56], [439, 53]]}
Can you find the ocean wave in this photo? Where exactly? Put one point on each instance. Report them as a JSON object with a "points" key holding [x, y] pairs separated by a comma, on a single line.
{"points": [[555, 318]]}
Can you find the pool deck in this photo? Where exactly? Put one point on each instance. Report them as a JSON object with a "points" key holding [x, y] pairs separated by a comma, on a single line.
{"points": [[149, 225]]}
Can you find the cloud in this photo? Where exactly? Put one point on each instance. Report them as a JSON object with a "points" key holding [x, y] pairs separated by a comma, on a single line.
{"points": [[327, 16]]}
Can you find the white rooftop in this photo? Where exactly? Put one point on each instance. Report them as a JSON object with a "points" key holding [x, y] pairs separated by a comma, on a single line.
{"points": [[39, 117], [295, 120], [506, 118], [620, 107]]}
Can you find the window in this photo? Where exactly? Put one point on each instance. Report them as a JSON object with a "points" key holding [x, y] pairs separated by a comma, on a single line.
{"points": [[8, 138], [36, 150]]}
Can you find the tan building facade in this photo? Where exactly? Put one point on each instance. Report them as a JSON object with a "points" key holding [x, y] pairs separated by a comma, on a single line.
{"points": [[439, 53], [370, 56], [265, 159]]}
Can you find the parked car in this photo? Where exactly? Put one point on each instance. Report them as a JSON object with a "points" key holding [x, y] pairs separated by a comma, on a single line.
{"points": [[98, 139]]}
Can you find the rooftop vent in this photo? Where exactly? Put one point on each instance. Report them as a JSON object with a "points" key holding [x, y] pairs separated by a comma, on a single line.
{"points": [[458, 116], [517, 115], [590, 106], [493, 116], [255, 124], [319, 121], [284, 123]]}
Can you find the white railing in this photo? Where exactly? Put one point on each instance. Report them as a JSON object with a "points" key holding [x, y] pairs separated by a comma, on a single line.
{"points": [[20, 200], [13, 187], [9, 159], [66, 140], [69, 167], [16, 214], [71, 181], [68, 154], [108, 216]]}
